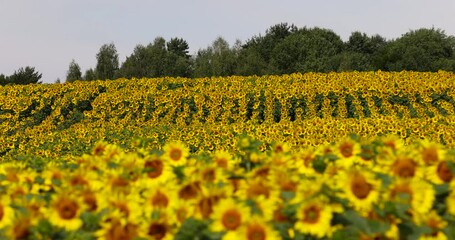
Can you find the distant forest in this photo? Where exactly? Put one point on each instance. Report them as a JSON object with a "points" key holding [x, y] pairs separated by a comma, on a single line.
{"points": [[283, 49]]}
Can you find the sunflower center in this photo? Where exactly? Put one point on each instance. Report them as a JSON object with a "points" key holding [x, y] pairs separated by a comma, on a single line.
{"points": [[222, 162], [209, 175], [90, 201], [21, 229], [444, 172], [175, 154], [360, 187], [119, 232], [430, 155], [346, 149], [78, 180], [255, 232], [206, 206], [311, 214], [258, 189], [157, 230], [67, 209], [189, 191], [160, 200], [156, 167], [231, 219], [404, 167]]}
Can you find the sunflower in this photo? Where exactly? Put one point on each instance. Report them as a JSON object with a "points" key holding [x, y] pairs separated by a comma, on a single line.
{"points": [[157, 229], [65, 210], [6, 211], [404, 166], [229, 216], [418, 193], [176, 153], [223, 159], [20, 228], [313, 217], [263, 193], [257, 229], [360, 188], [157, 170], [439, 173], [433, 221], [115, 227], [431, 153]]}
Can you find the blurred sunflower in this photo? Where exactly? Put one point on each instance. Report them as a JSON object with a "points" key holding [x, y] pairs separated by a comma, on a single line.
{"points": [[229, 216], [257, 229], [65, 210], [361, 188], [313, 217], [175, 153], [418, 193]]}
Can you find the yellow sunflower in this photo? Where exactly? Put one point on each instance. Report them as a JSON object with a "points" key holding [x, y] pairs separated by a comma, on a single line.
{"points": [[176, 153], [65, 210], [431, 153], [418, 193], [257, 229], [361, 188], [313, 217], [20, 228], [115, 227], [439, 173], [229, 216], [434, 222]]}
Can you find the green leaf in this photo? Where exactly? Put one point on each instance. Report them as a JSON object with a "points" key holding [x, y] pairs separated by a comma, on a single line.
{"points": [[191, 229], [357, 221], [378, 227]]}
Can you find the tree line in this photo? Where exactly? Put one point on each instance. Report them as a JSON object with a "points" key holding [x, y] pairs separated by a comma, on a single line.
{"points": [[283, 49]]}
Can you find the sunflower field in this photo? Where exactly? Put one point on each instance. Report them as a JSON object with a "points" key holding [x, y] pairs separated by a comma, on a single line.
{"points": [[355, 155]]}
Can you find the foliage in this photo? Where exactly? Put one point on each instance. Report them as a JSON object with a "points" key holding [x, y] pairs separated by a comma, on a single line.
{"points": [[74, 72]]}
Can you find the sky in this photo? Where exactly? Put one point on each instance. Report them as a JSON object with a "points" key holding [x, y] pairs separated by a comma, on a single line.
{"points": [[48, 34]]}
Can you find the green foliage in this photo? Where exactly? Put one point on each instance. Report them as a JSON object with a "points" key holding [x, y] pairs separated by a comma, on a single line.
{"points": [[74, 72], [421, 50], [23, 76], [107, 62]]}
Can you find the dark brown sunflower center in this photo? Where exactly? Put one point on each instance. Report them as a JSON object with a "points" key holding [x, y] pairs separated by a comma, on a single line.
{"points": [[404, 167], [311, 214], [346, 149], [255, 232], [444, 172], [360, 187], [175, 154], [155, 168], [231, 219], [67, 209], [160, 200], [157, 230], [430, 155]]}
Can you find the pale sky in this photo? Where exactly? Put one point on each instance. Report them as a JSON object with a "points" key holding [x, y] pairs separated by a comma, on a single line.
{"points": [[48, 34]]}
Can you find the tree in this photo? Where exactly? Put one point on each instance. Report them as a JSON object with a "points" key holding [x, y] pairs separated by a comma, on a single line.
{"points": [[3, 80], [90, 75], [179, 47], [421, 50], [26, 75], [307, 50], [107, 62], [74, 72], [216, 60]]}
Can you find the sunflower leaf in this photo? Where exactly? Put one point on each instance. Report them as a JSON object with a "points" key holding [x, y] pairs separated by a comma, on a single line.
{"points": [[358, 221]]}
